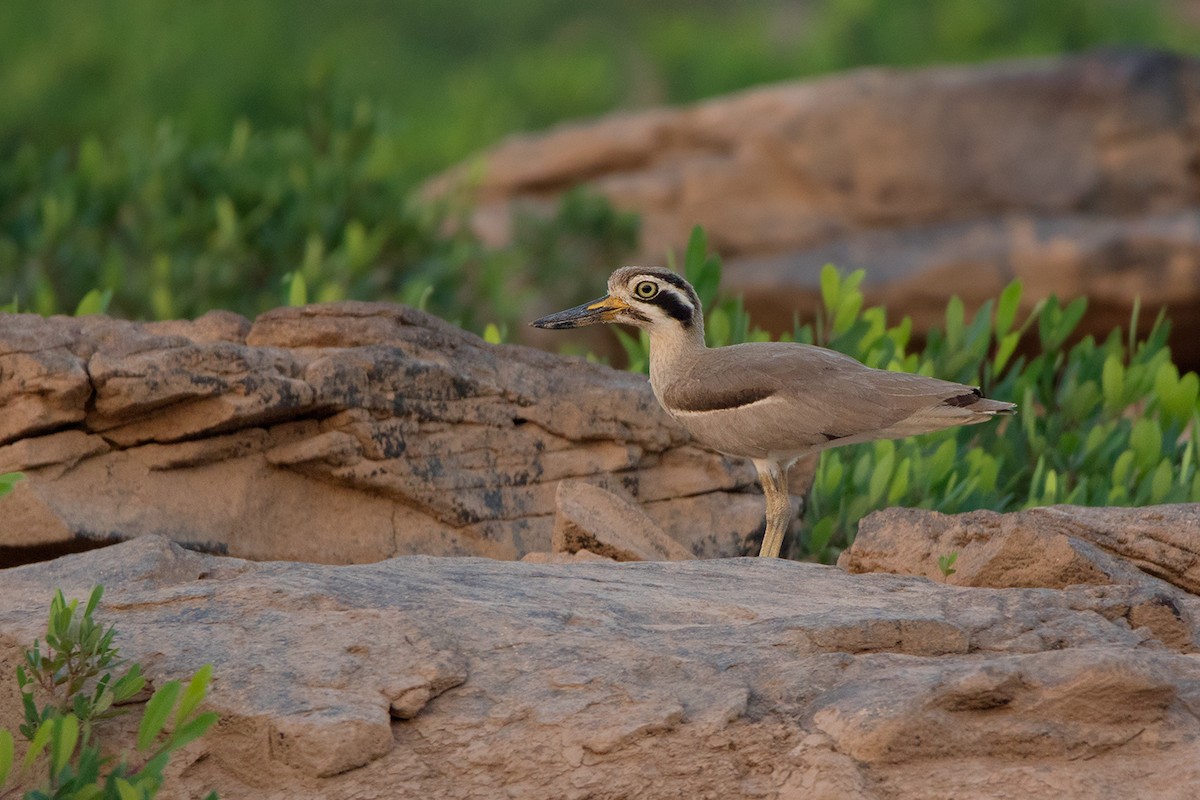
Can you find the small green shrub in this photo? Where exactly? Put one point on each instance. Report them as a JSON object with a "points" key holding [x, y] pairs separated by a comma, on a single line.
{"points": [[76, 673], [946, 563], [1100, 423], [8, 480]]}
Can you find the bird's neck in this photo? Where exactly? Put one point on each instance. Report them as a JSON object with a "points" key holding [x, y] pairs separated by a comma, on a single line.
{"points": [[674, 348]]}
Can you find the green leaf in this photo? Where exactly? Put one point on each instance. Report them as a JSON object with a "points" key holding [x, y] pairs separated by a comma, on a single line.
{"points": [[297, 290], [1112, 382], [158, 708], [125, 790], [193, 729], [6, 755], [194, 693], [821, 533], [955, 315], [697, 248], [94, 302], [491, 334], [1070, 318], [93, 600], [718, 328], [8, 480], [62, 743], [847, 312], [41, 738], [900, 482], [1122, 468], [1004, 351], [831, 471], [129, 684], [831, 281], [881, 476], [1146, 441], [1006, 309], [1161, 483]]}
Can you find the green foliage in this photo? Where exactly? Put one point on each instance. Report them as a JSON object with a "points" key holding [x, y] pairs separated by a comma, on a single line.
{"points": [[457, 75], [1109, 423], [168, 227], [75, 674], [164, 226], [263, 156], [946, 563]]}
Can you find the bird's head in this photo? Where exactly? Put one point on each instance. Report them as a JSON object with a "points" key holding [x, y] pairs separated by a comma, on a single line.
{"points": [[646, 297]]}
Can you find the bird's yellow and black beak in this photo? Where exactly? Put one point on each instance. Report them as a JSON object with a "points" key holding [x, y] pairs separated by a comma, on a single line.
{"points": [[605, 309]]}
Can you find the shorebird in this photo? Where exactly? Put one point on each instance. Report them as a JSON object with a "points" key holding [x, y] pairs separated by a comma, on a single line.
{"points": [[771, 402]]}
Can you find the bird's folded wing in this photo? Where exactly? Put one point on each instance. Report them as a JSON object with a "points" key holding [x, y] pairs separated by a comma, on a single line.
{"points": [[819, 392]]}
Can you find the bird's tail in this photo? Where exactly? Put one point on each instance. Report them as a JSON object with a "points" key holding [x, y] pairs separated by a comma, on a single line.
{"points": [[993, 408]]}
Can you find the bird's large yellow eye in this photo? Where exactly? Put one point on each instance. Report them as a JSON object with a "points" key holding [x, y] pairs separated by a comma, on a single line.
{"points": [[646, 289]]}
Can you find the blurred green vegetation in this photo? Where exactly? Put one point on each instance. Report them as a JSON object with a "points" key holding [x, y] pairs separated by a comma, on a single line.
{"points": [[164, 226], [223, 154], [449, 77]]}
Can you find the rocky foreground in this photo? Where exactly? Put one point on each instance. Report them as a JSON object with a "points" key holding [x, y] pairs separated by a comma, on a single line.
{"points": [[473, 678]]}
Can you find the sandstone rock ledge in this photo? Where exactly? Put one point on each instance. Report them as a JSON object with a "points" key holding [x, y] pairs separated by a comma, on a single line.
{"points": [[476, 678], [339, 433]]}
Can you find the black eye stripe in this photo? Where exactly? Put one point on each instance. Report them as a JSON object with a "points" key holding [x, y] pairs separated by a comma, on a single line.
{"points": [[675, 307], [682, 285]]}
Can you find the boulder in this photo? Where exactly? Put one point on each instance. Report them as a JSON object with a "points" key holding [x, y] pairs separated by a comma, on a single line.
{"points": [[1155, 550], [436, 677], [594, 519], [339, 433], [1077, 174]]}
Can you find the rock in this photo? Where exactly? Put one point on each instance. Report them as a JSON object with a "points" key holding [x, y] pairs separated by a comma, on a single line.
{"points": [[595, 519], [1155, 549], [1054, 546], [341, 433], [576, 557], [1076, 174], [433, 677]]}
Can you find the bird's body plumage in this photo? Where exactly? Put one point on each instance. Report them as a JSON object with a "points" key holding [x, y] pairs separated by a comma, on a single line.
{"points": [[772, 402], [803, 399]]}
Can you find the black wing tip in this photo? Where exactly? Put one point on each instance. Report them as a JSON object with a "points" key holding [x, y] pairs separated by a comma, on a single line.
{"points": [[995, 408], [963, 400]]}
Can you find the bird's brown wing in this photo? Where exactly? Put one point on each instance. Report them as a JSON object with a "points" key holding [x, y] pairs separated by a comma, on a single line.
{"points": [[795, 396]]}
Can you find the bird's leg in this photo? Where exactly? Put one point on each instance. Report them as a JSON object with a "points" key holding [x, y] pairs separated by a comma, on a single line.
{"points": [[773, 477]]}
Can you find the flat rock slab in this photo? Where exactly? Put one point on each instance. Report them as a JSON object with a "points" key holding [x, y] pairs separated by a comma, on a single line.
{"points": [[340, 433], [463, 678]]}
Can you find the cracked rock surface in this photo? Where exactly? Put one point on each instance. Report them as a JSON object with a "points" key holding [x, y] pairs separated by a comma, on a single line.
{"points": [[341, 433], [473, 678]]}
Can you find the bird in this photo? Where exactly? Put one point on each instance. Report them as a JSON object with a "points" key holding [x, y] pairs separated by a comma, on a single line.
{"points": [[770, 402]]}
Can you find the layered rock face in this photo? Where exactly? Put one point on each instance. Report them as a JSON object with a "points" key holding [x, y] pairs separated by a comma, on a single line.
{"points": [[463, 678], [1079, 175], [337, 434]]}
